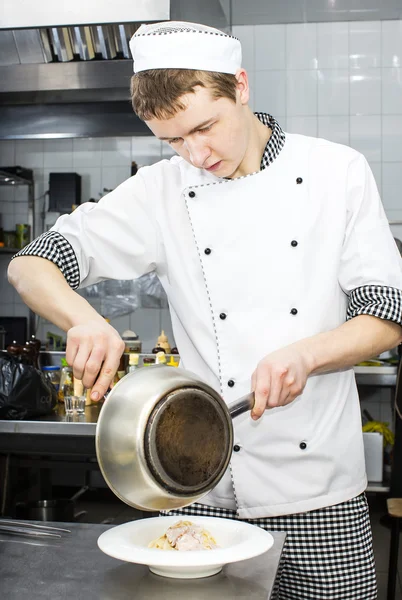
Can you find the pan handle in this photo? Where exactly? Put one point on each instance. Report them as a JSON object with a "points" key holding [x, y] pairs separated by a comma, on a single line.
{"points": [[242, 405]]}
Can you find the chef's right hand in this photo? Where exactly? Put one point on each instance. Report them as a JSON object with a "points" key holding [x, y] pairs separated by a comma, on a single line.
{"points": [[94, 351]]}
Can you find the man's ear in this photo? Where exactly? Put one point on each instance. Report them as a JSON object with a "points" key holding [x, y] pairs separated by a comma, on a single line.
{"points": [[243, 89]]}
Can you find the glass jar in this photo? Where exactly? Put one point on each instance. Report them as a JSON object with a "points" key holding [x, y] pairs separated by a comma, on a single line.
{"points": [[53, 375], [66, 383]]}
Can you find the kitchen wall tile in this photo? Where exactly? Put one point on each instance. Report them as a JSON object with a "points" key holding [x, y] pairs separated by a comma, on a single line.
{"points": [[246, 36], [7, 292], [270, 92], [392, 186], [114, 176], [58, 153], [282, 120], [365, 136], [167, 151], [7, 153], [21, 215], [301, 93], [29, 153], [86, 153], [333, 45], [7, 199], [302, 125], [301, 46], [376, 168], [146, 150], [121, 324], [116, 152], [333, 92], [7, 309], [21, 310], [270, 47], [334, 128], [364, 44], [9, 222], [391, 42], [146, 323], [365, 92], [392, 91], [251, 83], [91, 183], [391, 138]]}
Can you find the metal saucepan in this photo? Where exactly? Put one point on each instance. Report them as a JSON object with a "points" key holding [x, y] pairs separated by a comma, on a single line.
{"points": [[164, 438]]}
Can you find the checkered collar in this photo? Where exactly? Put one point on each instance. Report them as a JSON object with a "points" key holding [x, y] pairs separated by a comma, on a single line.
{"points": [[275, 142]]}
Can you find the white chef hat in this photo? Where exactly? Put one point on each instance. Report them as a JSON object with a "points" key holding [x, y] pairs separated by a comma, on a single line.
{"points": [[182, 45]]}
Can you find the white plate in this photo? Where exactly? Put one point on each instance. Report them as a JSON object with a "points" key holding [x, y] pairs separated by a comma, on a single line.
{"points": [[237, 541]]}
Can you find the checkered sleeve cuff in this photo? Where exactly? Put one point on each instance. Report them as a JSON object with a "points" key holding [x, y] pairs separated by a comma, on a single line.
{"points": [[53, 246], [376, 300]]}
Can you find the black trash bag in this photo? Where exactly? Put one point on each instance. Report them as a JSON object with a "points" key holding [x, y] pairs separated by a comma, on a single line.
{"points": [[25, 392]]}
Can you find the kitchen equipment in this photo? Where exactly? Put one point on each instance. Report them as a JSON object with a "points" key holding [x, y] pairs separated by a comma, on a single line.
{"points": [[2, 338], [30, 529], [164, 438]]}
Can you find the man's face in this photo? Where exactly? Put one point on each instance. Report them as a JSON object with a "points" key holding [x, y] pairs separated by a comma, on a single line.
{"points": [[210, 133]]}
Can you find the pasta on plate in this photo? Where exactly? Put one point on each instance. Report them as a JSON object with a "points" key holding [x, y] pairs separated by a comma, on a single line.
{"points": [[184, 536]]}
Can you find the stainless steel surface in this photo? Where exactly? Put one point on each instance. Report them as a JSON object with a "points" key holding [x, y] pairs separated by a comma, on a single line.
{"points": [[74, 567], [83, 42], [120, 436], [242, 405], [57, 424], [8, 49], [47, 13], [376, 379], [30, 46]]}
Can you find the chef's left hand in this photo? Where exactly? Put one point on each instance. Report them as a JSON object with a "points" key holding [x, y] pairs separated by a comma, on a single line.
{"points": [[279, 378]]}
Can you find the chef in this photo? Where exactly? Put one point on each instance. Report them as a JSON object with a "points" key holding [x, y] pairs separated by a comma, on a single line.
{"points": [[281, 274]]}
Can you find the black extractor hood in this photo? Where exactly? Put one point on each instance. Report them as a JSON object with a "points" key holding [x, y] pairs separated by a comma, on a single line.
{"points": [[74, 80]]}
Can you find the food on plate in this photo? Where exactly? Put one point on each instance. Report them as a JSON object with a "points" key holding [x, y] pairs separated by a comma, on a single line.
{"points": [[184, 536]]}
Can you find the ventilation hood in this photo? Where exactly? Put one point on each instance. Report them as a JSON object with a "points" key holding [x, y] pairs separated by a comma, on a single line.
{"points": [[67, 74]]}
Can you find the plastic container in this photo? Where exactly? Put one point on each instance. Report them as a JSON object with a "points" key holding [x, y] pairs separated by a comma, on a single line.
{"points": [[53, 374]]}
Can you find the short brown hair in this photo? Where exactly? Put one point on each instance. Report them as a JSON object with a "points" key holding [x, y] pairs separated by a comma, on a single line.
{"points": [[156, 93]]}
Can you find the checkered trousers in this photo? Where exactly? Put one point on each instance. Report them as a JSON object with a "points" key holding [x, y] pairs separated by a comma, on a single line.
{"points": [[328, 553]]}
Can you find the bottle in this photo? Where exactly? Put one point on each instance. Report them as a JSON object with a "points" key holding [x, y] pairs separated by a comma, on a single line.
{"points": [[66, 381], [161, 358], [28, 354], [133, 363], [163, 342], [36, 345], [157, 349], [52, 373], [15, 350]]}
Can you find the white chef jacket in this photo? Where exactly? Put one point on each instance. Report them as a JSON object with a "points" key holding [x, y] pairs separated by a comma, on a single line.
{"points": [[253, 293]]}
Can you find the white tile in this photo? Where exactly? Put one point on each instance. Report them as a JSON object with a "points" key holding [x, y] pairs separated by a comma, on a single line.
{"points": [[29, 153], [7, 153], [146, 324], [302, 125], [116, 151], [87, 152], [364, 44], [333, 91], [9, 222], [245, 33], [301, 46], [91, 183], [365, 136], [376, 168], [7, 309], [21, 215], [391, 138], [391, 38], [114, 176], [270, 92], [21, 309], [121, 324], [365, 92], [392, 185], [333, 45], [282, 120], [167, 151], [392, 91], [301, 93], [334, 128], [7, 292], [146, 150], [58, 153], [251, 84], [270, 47], [7, 199]]}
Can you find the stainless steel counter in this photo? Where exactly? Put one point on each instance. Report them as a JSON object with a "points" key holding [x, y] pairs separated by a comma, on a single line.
{"points": [[74, 567]]}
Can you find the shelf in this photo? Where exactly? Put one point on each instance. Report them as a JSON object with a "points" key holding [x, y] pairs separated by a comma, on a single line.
{"points": [[9, 250], [377, 487], [16, 176]]}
